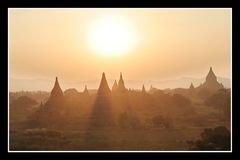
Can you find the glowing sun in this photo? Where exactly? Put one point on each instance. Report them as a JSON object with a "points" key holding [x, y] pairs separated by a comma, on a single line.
{"points": [[111, 36]]}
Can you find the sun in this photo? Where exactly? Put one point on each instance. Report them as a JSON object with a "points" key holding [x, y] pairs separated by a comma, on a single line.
{"points": [[112, 36]]}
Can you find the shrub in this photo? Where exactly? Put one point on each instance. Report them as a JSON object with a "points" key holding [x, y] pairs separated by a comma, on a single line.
{"points": [[221, 100], [212, 139]]}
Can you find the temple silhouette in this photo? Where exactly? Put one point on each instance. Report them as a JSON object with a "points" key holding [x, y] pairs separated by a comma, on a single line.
{"points": [[102, 109], [115, 86], [56, 92], [107, 101], [85, 92], [121, 86], [208, 87], [211, 82], [53, 111]]}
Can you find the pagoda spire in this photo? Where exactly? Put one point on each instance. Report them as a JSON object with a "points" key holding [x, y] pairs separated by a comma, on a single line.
{"points": [[211, 77], [56, 91], [121, 86], [103, 89], [143, 89], [86, 90], [121, 76], [101, 115], [56, 82], [191, 86], [211, 82], [115, 86]]}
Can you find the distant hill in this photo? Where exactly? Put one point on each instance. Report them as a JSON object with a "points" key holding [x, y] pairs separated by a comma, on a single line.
{"points": [[184, 82], [46, 84]]}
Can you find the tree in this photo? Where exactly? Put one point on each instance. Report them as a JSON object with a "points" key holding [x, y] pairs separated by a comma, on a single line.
{"points": [[21, 108], [212, 139], [221, 100], [180, 105]]}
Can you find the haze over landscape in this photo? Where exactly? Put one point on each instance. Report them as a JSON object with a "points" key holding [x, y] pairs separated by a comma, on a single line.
{"points": [[164, 44], [46, 84]]}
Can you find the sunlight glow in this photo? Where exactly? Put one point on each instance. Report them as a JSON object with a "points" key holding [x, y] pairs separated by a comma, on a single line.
{"points": [[111, 36]]}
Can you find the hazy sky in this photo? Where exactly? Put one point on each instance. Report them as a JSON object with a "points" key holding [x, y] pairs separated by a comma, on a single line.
{"points": [[162, 44]]}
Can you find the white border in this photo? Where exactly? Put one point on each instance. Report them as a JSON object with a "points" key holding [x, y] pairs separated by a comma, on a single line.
{"points": [[123, 9], [231, 71]]}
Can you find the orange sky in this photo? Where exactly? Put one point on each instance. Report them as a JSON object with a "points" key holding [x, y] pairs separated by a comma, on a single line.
{"points": [[171, 43]]}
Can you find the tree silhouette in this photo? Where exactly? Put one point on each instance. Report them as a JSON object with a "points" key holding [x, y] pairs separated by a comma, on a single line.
{"points": [[212, 139], [221, 100]]}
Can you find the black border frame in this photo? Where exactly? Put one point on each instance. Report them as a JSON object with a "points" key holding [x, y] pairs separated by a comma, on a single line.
{"points": [[89, 4]]}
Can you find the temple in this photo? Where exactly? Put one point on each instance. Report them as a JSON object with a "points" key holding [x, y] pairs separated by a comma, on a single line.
{"points": [[121, 86], [191, 86], [56, 92], [115, 86], [85, 92], [53, 111], [103, 89], [143, 89], [211, 82], [101, 113]]}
